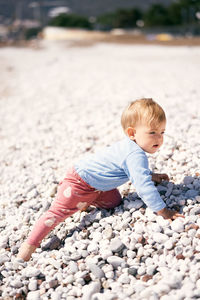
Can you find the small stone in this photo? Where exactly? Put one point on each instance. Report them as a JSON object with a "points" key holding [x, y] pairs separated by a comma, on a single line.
{"points": [[35, 295], [141, 270], [176, 192], [115, 261], [178, 250], [169, 245], [108, 233], [132, 271], [52, 244], [177, 225], [188, 180], [136, 204], [138, 227], [90, 289], [156, 227], [69, 279], [93, 247], [191, 226], [197, 198], [3, 241], [73, 267], [53, 191], [116, 245], [151, 270], [53, 283], [191, 193], [109, 275], [180, 256], [142, 240], [185, 241], [54, 263], [3, 259], [146, 277], [96, 271], [160, 237], [195, 211], [76, 255], [55, 296], [124, 279], [16, 284], [31, 272], [32, 286]]}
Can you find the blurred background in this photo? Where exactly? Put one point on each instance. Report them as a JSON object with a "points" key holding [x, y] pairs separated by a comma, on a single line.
{"points": [[107, 20]]}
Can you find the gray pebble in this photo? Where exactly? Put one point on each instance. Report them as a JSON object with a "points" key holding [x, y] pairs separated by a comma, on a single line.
{"points": [[132, 271], [191, 193], [96, 271], [115, 261], [116, 245]]}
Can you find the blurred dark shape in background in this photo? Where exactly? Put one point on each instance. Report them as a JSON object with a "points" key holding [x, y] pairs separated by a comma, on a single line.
{"points": [[25, 19]]}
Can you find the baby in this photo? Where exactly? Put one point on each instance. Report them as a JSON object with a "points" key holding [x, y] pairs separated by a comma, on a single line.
{"points": [[94, 181]]}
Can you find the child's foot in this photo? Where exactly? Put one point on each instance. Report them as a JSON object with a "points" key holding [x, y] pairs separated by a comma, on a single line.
{"points": [[25, 251]]}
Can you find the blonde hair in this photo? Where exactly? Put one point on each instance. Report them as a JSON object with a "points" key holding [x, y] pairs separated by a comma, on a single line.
{"points": [[142, 111]]}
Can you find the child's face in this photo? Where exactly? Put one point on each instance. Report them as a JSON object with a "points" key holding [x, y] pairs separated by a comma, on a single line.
{"points": [[149, 137]]}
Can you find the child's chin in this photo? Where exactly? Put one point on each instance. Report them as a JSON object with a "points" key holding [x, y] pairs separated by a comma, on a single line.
{"points": [[154, 150]]}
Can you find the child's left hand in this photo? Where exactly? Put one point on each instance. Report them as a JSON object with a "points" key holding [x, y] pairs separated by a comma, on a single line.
{"points": [[158, 178]]}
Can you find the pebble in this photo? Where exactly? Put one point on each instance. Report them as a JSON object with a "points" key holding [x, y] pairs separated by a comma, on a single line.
{"points": [[195, 211], [177, 225], [169, 244], [132, 271], [160, 237], [35, 295], [73, 267], [136, 204], [191, 194], [53, 243], [124, 279], [31, 272], [188, 180], [32, 286], [116, 245], [91, 289], [115, 261], [96, 271]]}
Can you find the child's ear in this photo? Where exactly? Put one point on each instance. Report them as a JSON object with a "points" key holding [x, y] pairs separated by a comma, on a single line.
{"points": [[130, 131]]}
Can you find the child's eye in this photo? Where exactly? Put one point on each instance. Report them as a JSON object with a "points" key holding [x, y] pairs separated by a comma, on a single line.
{"points": [[162, 132], [152, 132]]}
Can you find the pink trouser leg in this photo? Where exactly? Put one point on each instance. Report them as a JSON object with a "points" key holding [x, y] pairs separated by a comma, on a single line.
{"points": [[108, 199], [71, 197], [46, 223]]}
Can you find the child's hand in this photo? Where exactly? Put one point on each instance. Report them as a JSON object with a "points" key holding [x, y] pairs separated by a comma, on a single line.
{"points": [[169, 214], [158, 178]]}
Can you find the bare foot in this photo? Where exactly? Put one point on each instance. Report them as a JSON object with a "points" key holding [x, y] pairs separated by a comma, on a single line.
{"points": [[25, 251]]}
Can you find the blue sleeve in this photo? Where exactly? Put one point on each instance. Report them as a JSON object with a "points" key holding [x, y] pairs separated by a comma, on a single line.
{"points": [[136, 168]]}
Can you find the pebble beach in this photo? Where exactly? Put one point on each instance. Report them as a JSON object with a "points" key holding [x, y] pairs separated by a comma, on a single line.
{"points": [[59, 103]]}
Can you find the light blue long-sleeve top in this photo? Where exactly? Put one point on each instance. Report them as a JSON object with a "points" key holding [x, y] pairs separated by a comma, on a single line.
{"points": [[117, 164]]}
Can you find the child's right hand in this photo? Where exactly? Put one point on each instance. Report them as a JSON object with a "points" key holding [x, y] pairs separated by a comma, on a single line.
{"points": [[169, 214]]}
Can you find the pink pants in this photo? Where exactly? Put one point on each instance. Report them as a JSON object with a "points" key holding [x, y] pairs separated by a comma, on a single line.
{"points": [[73, 194]]}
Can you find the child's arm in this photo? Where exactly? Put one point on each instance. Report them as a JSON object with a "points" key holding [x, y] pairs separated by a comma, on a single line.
{"points": [[136, 168]]}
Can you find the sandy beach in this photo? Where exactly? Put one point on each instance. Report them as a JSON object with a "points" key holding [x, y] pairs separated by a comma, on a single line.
{"points": [[59, 103]]}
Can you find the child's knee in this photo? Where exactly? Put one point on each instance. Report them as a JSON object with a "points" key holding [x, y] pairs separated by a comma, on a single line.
{"points": [[108, 200]]}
